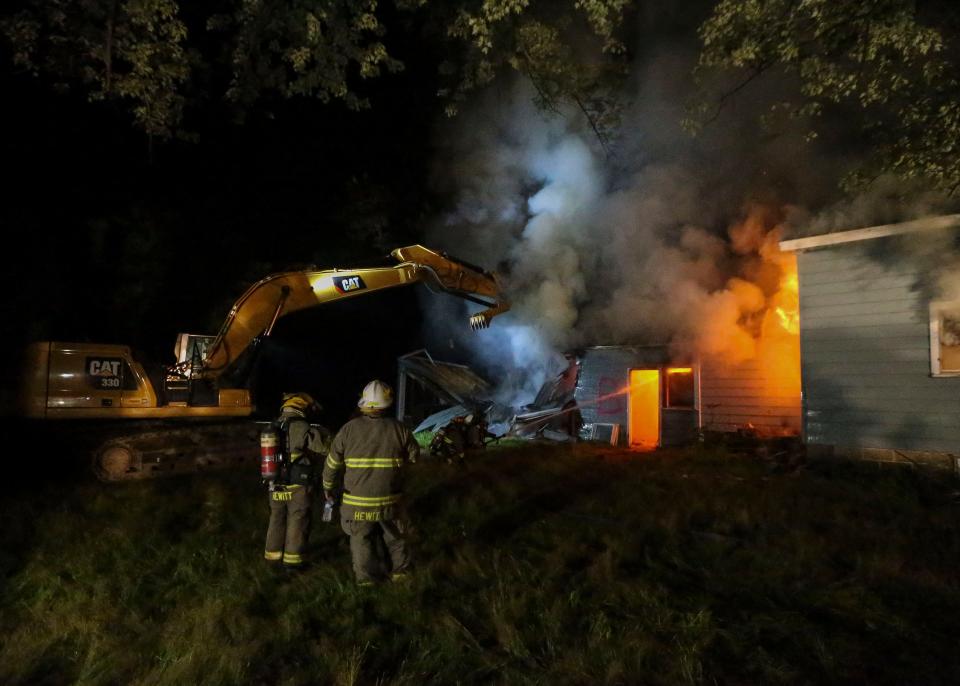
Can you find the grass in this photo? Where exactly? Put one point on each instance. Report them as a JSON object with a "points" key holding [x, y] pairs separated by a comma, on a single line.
{"points": [[537, 564]]}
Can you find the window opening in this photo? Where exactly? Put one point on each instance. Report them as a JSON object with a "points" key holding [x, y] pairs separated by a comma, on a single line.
{"points": [[680, 388], [945, 338]]}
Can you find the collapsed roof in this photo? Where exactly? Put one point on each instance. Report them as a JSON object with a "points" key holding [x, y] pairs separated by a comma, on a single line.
{"points": [[457, 384], [458, 388]]}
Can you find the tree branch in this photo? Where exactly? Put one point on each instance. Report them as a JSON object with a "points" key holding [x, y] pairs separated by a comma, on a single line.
{"points": [[108, 49], [593, 125], [739, 87]]}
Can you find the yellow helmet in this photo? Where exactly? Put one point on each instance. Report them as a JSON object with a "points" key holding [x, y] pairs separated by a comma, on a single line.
{"points": [[376, 396], [300, 403]]}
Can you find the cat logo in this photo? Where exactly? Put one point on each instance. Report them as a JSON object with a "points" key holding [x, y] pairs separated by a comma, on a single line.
{"points": [[345, 284], [105, 373], [104, 367]]}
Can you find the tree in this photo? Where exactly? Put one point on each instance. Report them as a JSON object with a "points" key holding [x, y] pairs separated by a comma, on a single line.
{"points": [[545, 42], [157, 58], [151, 56], [891, 65], [132, 50]]}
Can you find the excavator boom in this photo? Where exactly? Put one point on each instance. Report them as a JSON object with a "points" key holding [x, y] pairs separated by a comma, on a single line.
{"points": [[257, 310]]}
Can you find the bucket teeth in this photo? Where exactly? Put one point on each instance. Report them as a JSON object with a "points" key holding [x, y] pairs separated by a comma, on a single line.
{"points": [[479, 321]]}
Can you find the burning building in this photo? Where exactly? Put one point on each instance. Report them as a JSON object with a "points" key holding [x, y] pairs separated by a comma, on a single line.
{"points": [[626, 395], [645, 397], [880, 340], [737, 371], [733, 368]]}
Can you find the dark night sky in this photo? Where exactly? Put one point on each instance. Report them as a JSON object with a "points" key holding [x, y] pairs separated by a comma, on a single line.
{"points": [[103, 245]]}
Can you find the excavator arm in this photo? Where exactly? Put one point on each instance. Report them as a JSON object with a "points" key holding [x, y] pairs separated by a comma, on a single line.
{"points": [[257, 310]]}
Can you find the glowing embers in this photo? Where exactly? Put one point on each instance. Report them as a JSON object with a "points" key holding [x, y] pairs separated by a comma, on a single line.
{"points": [[644, 408]]}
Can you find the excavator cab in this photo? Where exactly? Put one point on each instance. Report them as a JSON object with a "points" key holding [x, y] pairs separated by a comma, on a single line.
{"points": [[183, 384]]}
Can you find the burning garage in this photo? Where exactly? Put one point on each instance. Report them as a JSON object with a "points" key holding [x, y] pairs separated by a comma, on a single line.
{"points": [[880, 334]]}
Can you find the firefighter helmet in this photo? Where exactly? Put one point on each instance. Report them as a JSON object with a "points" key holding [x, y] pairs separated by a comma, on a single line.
{"points": [[299, 403], [376, 396]]}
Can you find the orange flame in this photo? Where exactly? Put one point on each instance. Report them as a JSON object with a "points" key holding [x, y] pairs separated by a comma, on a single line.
{"points": [[789, 320], [757, 340], [786, 302], [779, 345]]}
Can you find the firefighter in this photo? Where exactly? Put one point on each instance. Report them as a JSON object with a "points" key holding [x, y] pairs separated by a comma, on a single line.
{"points": [[291, 494], [372, 450], [450, 442], [463, 433], [477, 431]]}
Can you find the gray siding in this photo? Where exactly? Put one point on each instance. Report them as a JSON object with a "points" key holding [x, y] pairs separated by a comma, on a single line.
{"points": [[733, 396], [678, 427], [864, 328], [606, 370]]}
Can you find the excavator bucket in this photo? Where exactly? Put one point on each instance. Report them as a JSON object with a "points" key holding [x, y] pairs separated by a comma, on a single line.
{"points": [[481, 320]]}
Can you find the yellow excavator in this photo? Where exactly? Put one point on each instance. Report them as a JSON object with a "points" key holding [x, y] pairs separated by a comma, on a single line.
{"points": [[105, 382]]}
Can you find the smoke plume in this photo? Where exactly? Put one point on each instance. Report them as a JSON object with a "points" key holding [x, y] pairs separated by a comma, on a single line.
{"points": [[671, 240]]}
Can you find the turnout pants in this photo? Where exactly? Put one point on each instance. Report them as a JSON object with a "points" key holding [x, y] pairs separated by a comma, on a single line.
{"points": [[363, 547], [289, 525]]}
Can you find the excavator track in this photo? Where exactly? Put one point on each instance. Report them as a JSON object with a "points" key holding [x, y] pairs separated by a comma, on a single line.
{"points": [[169, 451]]}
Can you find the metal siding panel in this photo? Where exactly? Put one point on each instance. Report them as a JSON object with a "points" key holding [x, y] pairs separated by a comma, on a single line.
{"points": [[606, 370], [863, 334], [603, 372], [864, 386], [875, 278], [821, 262], [596, 373], [679, 427], [815, 288], [886, 402], [866, 358], [853, 319], [856, 297], [880, 258], [845, 345], [934, 420], [863, 306], [891, 366], [874, 357]]}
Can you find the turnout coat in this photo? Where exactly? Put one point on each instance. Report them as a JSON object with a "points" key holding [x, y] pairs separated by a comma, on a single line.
{"points": [[371, 451]]}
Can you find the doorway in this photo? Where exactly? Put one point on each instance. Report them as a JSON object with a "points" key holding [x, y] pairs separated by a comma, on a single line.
{"points": [[644, 408]]}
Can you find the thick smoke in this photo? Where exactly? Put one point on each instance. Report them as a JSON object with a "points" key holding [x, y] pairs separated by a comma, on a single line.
{"points": [[671, 240], [887, 200]]}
